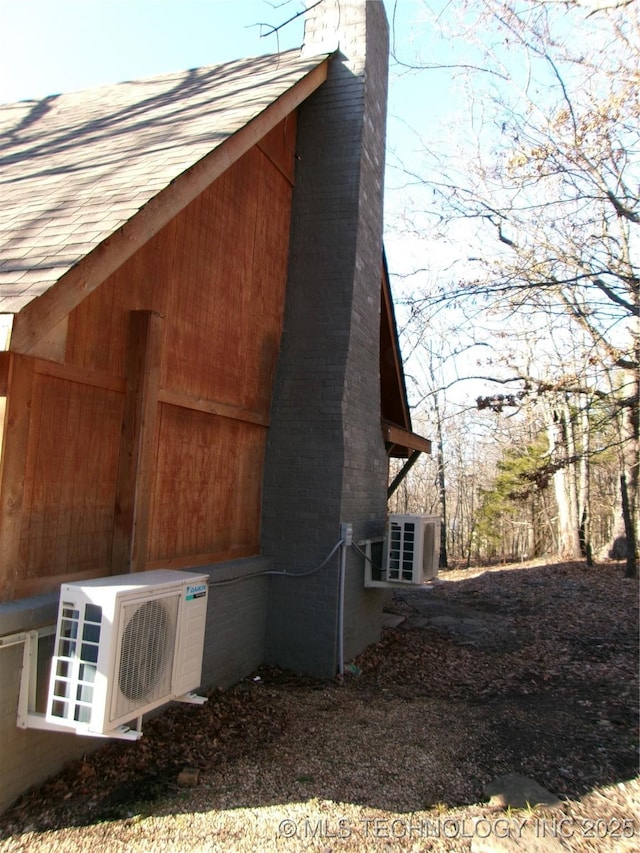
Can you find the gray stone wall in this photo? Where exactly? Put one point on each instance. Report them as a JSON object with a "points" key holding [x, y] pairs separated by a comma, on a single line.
{"points": [[236, 620], [326, 462]]}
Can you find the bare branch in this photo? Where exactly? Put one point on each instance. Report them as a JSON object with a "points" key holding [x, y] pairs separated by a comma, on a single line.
{"points": [[593, 6], [270, 29]]}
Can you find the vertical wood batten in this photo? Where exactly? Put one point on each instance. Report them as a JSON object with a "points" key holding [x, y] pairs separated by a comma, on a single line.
{"points": [[135, 470], [13, 468]]}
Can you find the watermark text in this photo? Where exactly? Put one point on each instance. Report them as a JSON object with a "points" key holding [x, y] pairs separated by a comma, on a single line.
{"points": [[456, 828]]}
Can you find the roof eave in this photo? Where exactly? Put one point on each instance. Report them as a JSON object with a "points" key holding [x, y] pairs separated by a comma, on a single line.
{"points": [[400, 440], [396, 370]]}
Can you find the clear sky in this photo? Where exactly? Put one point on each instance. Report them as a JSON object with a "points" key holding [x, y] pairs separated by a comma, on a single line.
{"points": [[52, 46]]}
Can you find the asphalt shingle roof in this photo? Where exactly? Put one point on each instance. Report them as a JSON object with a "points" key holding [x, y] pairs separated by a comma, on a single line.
{"points": [[75, 167]]}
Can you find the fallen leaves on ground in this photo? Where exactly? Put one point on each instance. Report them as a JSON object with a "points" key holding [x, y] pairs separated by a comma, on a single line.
{"points": [[527, 669]]}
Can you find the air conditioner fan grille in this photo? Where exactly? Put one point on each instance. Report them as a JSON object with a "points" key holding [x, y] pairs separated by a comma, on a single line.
{"points": [[146, 653]]}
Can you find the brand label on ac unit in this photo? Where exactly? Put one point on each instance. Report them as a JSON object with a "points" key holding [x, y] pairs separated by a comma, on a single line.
{"points": [[195, 591]]}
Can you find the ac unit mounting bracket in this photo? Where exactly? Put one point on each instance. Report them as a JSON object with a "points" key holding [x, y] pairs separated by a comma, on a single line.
{"points": [[191, 699]]}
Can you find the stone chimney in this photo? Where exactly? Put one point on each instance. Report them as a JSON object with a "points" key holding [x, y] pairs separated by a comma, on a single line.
{"points": [[326, 461]]}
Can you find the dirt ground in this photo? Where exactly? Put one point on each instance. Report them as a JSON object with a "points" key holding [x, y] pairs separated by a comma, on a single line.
{"points": [[530, 669]]}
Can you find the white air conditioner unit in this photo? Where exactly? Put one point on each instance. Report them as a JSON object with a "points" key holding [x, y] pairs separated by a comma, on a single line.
{"points": [[124, 645], [412, 549]]}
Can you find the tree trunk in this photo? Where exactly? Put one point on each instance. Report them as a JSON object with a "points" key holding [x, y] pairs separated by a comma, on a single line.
{"points": [[629, 487], [631, 570], [584, 496], [563, 484], [442, 492]]}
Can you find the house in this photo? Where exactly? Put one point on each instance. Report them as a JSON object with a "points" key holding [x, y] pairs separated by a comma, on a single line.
{"points": [[200, 366]]}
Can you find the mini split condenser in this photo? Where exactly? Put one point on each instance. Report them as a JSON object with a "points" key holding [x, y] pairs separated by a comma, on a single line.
{"points": [[124, 645]]}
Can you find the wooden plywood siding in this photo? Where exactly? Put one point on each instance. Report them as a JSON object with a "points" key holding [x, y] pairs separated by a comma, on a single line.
{"points": [[15, 445], [206, 500], [72, 464], [216, 276], [224, 308]]}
